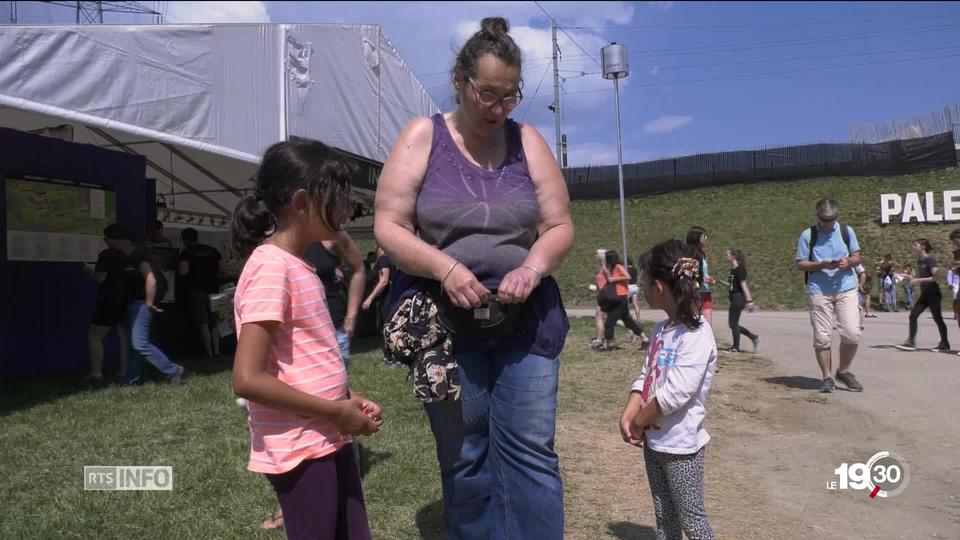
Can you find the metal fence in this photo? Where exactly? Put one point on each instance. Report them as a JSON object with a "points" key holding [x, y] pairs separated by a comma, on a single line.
{"points": [[762, 165], [934, 123]]}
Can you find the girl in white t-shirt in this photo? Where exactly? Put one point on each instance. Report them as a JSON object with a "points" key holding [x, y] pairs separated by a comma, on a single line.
{"points": [[667, 404]]}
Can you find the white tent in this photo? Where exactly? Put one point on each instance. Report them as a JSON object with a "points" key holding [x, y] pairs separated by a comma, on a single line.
{"points": [[202, 102]]}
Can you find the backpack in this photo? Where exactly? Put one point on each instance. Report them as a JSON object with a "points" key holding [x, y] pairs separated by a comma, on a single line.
{"points": [[844, 234]]}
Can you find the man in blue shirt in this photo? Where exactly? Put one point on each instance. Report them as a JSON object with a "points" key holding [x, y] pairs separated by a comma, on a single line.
{"points": [[832, 285]]}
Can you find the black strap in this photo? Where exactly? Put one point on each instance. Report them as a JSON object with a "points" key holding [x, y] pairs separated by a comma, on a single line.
{"points": [[844, 234]]}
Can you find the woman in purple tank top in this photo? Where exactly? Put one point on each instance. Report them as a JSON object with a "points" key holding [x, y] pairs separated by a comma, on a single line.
{"points": [[475, 201]]}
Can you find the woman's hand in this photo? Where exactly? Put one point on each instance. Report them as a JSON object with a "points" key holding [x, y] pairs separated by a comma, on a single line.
{"points": [[464, 289], [517, 285], [709, 280]]}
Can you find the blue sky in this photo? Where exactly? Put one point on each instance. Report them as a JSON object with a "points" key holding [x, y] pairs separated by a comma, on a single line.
{"points": [[694, 83]]}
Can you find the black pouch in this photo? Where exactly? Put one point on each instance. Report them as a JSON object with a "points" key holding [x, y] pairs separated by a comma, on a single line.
{"points": [[492, 320]]}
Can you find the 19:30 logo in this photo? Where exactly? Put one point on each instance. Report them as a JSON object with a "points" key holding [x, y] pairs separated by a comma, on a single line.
{"points": [[883, 475]]}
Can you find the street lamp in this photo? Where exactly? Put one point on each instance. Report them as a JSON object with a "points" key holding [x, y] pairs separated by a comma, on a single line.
{"points": [[616, 66]]}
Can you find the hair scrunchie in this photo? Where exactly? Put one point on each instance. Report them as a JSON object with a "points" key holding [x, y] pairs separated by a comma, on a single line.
{"points": [[687, 267]]}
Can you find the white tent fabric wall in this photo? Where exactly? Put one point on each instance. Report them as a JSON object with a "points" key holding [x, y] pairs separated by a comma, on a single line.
{"points": [[202, 102]]}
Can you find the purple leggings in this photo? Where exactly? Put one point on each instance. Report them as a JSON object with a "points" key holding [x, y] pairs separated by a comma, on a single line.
{"points": [[322, 499]]}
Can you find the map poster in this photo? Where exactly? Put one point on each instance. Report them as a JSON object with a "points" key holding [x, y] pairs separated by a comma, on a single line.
{"points": [[56, 221]]}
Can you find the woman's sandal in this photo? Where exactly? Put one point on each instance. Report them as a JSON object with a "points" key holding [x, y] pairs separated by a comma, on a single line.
{"points": [[275, 521]]}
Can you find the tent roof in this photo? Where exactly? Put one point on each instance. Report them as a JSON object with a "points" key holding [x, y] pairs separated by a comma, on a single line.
{"points": [[202, 102]]}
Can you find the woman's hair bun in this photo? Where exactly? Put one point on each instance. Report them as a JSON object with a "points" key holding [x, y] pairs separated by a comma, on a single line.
{"points": [[495, 25]]}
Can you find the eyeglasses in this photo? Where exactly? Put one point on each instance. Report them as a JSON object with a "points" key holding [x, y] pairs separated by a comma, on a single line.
{"points": [[489, 99]]}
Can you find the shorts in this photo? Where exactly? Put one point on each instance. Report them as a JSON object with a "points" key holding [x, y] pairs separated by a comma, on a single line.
{"points": [[706, 301], [634, 291], [198, 308], [108, 315], [829, 311]]}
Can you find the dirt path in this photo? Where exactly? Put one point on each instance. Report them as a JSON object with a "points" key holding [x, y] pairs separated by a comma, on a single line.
{"points": [[776, 441]]}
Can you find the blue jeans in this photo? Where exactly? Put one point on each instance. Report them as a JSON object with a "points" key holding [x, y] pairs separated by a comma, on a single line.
{"points": [[139, 346], [498, 467], [909, 291], [890, 298], [343, 341]]}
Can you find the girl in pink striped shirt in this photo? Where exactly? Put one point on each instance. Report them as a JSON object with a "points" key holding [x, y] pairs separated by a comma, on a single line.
{"points": [[288, 364]]}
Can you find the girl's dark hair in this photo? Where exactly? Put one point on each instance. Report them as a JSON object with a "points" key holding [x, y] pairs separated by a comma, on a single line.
{"points": [[663, 263], [954, 234], [287, 167], [695, 239], [925, 244], [632, 270], [612, 259], [190, 235], [492, 38], [740, 257]]}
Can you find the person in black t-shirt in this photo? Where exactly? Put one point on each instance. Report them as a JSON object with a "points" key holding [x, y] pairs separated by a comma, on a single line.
{"points": [[139, 292], [927, 274], [369, 262], [110, 309], [199, 268], [383, 272], [740, 298]]}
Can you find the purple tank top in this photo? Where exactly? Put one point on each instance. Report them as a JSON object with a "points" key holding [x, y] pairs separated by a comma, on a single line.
{"points": [[488, 221], [485, 219]]}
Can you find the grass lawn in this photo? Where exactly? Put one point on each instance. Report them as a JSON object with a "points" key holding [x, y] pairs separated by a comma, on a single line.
{"points": [[51, 428]]}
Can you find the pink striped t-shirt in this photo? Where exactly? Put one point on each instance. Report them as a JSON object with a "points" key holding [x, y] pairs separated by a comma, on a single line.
{"points": [[278, 286]]}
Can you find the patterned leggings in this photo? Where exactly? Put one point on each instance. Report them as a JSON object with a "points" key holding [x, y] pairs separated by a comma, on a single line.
{"points": [[676, 483]]}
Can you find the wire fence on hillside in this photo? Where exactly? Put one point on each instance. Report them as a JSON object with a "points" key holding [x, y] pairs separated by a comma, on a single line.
{"points": [[902, 156], [910, 127]]}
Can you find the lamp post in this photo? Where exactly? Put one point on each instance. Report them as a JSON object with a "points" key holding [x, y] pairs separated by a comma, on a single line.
{"points": [[616, 66]]}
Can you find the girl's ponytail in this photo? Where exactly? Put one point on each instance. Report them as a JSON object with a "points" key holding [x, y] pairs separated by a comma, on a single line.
{"points": [[252, 223]]}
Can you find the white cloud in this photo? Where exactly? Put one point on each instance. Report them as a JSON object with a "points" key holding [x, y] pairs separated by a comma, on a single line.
{"points": [[655, 70], [664, 6], [598, 153], [217, 12], [666, 124]]}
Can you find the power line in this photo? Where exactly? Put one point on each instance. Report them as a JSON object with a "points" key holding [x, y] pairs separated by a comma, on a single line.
{"points": [[795, 41], [554, 21], [799, 58], [535, 93], [767, 73], [761, 25]]}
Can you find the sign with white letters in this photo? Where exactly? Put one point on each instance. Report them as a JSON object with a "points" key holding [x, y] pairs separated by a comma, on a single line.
{"points": [[929, 207]]}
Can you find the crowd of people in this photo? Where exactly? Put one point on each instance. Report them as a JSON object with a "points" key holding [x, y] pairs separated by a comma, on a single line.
{"points": [[472, 222], [131, 285]]}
